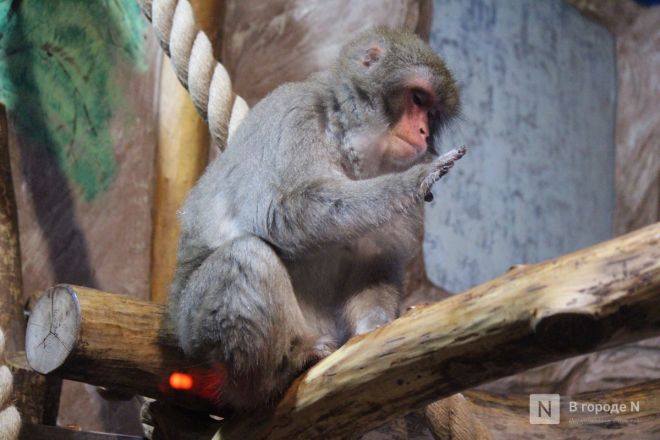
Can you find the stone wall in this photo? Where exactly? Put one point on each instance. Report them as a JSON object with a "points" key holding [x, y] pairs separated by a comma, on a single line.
{"points": [[538, 85]]}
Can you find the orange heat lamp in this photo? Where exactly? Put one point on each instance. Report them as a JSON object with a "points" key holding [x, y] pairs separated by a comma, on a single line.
{"points": [[205, 383], [181, 381]]}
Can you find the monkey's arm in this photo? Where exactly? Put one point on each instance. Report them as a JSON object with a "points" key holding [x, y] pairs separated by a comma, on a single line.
{"points": [[338, 210]]}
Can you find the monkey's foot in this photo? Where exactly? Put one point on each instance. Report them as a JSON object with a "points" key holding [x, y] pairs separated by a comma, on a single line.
{"points": [[439, 168], [323, 348], [372, 320]]}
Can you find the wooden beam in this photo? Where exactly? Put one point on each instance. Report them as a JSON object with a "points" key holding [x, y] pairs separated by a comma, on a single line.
{"points": [[181, 156], [36, 397], [101, 338], [12, 320], [210, 17], [598, 297]]}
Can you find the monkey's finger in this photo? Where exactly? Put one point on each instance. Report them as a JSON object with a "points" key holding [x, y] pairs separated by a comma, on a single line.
{"points": [[425, 187], [452, 155], [444, 169], [442, 163]]}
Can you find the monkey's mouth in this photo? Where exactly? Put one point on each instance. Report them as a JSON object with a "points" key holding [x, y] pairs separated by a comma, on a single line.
{"points": [[409, 148]]}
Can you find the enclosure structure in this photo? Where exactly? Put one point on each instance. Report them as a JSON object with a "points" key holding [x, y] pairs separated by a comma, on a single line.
{"points": [[605, 295], [617, 303]]}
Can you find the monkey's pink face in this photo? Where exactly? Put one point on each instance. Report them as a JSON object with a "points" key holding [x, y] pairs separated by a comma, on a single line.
{"points": [[409, 137]]}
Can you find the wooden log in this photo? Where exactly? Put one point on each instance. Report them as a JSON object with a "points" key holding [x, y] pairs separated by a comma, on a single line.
{"points": [[595, 298], [36, 397], [12, 320], [100, 338], [598, 297], [181, 156], [210, 17]]}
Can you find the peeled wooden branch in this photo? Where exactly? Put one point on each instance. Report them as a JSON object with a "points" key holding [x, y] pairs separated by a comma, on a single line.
{"points": [[595, 298], [181, 156], [601, 296]]}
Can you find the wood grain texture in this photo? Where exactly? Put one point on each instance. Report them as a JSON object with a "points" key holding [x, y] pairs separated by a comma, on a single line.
{"points": [[210, 17], [12, 321], [103, 339], [500, 417], [181, 156]]}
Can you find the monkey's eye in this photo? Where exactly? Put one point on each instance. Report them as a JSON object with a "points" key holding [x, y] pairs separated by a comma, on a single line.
{"points": [[421, 99]]}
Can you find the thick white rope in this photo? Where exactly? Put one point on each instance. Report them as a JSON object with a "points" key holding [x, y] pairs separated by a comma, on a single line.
{"points": [[191, 53], [10, 420]]}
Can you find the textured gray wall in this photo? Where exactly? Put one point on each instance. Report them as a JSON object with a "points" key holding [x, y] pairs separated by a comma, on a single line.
{"points": [[538, 87]]}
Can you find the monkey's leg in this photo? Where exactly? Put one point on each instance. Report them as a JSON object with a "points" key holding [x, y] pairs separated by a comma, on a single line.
{"points": [[371, 308], [340, 209], [239, 309]]}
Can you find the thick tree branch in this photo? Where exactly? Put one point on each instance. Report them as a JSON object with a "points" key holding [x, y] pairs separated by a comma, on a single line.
{"points": [[601, 296]]}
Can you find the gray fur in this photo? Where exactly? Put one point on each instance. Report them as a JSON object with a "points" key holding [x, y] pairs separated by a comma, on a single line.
{"points": [[297, 236]]}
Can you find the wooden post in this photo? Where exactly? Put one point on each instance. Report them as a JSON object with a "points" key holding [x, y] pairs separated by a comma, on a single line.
{"points": [[101, 338], [11, 295], [598, 297], [109, 340], [37, 398], [210, 17], [182, 154]]}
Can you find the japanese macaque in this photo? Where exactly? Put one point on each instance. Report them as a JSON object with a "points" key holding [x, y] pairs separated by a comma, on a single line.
{"points": [[297, 236]]}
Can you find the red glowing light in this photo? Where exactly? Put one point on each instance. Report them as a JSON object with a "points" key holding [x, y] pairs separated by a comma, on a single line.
{"points": [[181, 381]]}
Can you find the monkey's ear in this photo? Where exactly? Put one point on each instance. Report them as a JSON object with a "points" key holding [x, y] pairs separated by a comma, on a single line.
{"points": [[372, 55]]}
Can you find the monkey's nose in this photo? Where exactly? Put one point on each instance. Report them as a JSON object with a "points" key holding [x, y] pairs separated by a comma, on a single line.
{"points": [[423, 131]]}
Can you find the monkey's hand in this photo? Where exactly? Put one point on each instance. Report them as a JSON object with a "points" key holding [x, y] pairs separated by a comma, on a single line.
{"points": [[438, 168]]}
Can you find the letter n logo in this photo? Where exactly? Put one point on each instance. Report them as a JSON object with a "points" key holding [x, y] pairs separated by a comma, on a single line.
{"points": [[544, 409]]}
